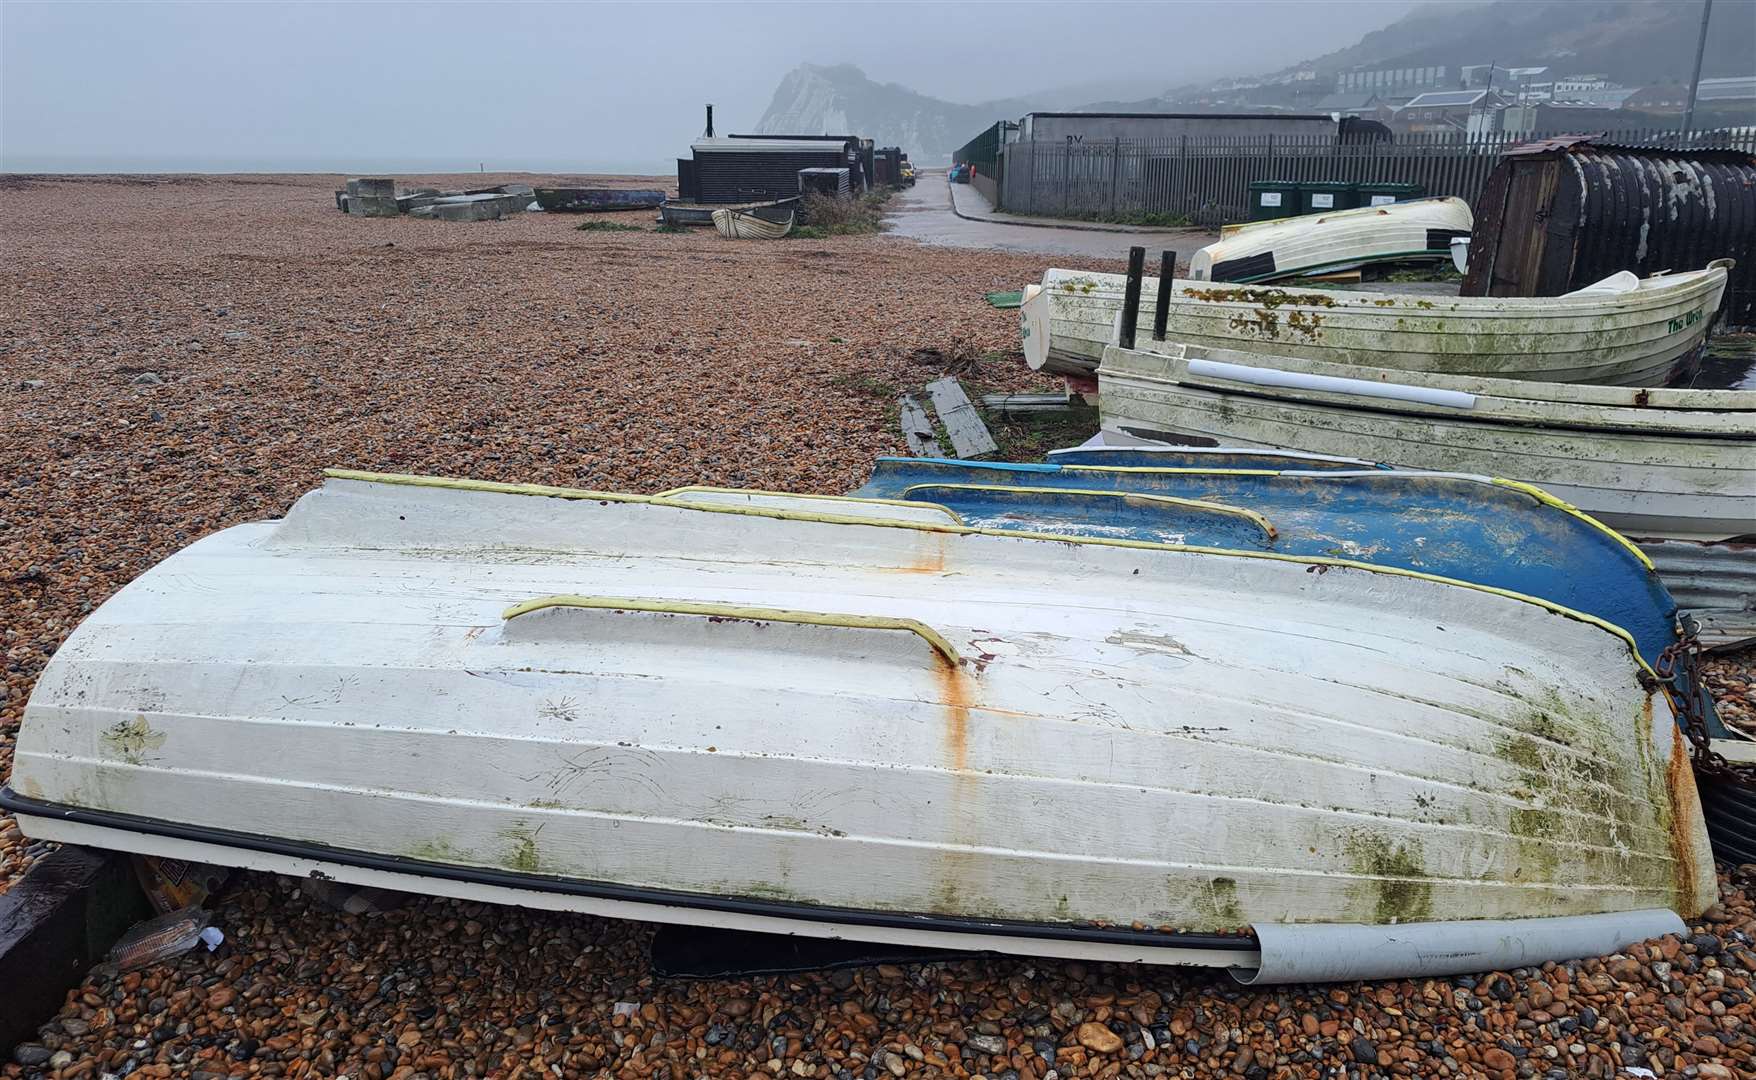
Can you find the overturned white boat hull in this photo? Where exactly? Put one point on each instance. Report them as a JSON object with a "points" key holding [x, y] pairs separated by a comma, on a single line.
{"points": [[1417, 230], [743, 712], [1668, 462], [1626, 330]]}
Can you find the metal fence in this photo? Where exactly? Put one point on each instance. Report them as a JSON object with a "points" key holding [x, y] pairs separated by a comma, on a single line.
{"points": [[1207, 179]]}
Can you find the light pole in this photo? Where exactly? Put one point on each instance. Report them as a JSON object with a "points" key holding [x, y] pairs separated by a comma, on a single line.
{"points": [[1695, 80]]}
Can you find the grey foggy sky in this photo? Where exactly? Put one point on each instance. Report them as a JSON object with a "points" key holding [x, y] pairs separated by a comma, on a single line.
{"points": [[616, 86]]}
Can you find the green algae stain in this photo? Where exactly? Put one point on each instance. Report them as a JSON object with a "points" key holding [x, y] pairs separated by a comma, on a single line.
{"points": [[522, 852], [438, 850], [1397, 878], [1219, 903], [132, 740]]}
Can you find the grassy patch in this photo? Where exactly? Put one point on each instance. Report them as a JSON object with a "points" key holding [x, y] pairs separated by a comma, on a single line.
{"points": [[842, 217], [1019, 437], [806, 232], [1152, 219], [607, 226], [1030, 437]]}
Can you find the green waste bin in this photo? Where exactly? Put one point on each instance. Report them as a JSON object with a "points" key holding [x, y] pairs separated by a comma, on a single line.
{"points": [[1274, 199], [1379, 194], [1322, 196]]}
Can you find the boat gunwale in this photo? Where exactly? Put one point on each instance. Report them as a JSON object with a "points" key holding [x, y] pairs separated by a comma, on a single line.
{"points": [[1497, 393], [16, 804], [709, 489], [1651, 291], [494, 487]]}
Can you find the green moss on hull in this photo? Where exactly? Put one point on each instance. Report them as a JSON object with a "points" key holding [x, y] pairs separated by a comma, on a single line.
{"points": [[1395, 876]]}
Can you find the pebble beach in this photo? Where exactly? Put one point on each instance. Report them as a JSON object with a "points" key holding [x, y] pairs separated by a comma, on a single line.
{"points": [[182, 354]]}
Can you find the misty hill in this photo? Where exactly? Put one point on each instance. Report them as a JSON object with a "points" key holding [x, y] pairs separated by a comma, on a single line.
{"points": [[1629, 43], [840, 99]]}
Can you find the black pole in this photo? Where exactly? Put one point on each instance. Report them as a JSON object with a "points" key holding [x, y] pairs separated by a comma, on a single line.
{"points": [[1131, 296], [710, 121], [1161, 311]]}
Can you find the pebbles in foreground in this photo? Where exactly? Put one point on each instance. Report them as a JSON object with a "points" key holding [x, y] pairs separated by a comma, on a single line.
{"points": [[443, 988]]}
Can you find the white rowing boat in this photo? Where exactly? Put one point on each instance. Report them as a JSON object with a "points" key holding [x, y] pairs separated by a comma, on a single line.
{"points": [[1623, 330], [770, 713], [1417, 230], [1648, 462], [742, 225]]}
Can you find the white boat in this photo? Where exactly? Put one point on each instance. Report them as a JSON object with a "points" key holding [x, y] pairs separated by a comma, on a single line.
{"points": [[742, 225], [1417, 230], [820, 717], [1623, 330], [1660, 462]]}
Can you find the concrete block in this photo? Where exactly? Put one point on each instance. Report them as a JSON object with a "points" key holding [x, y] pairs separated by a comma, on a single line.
{"points": [[416, 200], [372, 206], [375, 187]]}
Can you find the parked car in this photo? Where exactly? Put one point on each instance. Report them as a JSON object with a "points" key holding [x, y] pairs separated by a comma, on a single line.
{"points": [[908, 174]]}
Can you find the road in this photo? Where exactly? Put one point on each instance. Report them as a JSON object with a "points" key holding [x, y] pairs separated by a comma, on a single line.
{"points": [[924, 213]]}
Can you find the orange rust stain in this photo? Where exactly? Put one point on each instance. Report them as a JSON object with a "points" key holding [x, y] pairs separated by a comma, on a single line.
{"points": [[957, 695], [1685, 809]]}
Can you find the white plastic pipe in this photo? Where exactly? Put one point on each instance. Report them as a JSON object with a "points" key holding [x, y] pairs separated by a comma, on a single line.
{"points": [[1343, 952], [1298, 380]]}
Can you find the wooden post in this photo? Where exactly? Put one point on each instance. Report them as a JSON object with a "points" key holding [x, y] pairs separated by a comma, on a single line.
{"points": [[1161, 309], [1131, 296]]}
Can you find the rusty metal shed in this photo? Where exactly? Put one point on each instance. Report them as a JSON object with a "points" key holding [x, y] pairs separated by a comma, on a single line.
{"points": [[1558, 214]]}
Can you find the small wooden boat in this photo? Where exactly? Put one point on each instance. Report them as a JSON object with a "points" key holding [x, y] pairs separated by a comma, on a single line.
{"points": [[675, 212], [1648, 462], [763, 712], [591, 200], [743, 225], [1623, 330], [1420, 230]]}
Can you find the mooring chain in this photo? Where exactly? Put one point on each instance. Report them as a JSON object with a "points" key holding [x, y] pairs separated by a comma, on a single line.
{"points": [[1691, 698]]}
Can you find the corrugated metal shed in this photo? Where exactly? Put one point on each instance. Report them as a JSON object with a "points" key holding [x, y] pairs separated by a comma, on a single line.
{"points": [[1561, 213]]}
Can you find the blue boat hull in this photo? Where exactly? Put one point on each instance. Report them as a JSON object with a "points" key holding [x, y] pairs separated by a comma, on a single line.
{"points": [[1491, 534]]}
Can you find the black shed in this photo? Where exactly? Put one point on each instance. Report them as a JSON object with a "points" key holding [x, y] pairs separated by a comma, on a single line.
{"points": [[1559, 214], [740, 170]]}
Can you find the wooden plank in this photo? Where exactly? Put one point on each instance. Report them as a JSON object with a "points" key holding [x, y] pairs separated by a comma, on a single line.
{"points": [[969, 436], [917, 428], [1015, 404]]}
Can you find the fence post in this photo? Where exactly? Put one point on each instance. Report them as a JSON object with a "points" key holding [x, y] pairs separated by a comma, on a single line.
{"points": [[1066, 175], [1182, 180], [1115, 170]]}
